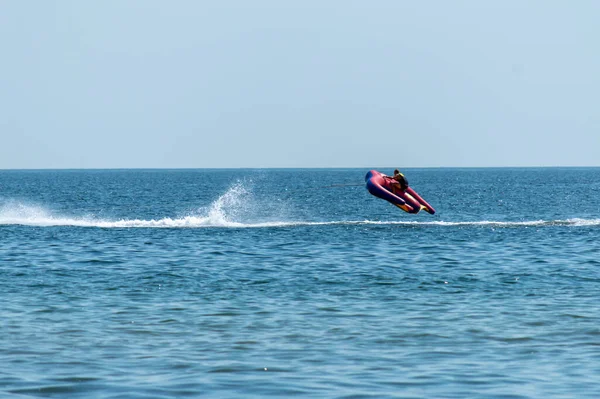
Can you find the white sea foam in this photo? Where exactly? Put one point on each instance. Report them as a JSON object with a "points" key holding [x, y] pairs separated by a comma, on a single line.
{"points": [[228, 212], [492, 223]]}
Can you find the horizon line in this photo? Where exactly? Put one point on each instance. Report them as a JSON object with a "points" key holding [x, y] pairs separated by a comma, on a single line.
{"points": [[301, 167]]}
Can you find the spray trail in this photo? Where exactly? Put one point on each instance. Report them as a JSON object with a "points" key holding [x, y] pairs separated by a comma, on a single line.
{"points": [[228, 211], [223, 212]]}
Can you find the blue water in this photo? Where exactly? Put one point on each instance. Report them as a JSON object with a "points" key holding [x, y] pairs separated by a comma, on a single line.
{"points": [[281, 283]]}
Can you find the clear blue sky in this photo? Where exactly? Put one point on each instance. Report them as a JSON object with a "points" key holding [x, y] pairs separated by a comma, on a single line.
{"points": [[311, 83]]}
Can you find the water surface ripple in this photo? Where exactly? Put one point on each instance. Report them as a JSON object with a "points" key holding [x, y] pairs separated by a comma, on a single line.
{"points": [[190, 283]]}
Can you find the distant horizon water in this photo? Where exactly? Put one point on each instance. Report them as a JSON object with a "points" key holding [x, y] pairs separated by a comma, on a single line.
{"points": [[382, 168]]}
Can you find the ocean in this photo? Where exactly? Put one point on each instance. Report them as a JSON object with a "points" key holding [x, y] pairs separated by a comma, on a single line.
{"points": [[233, 283]]}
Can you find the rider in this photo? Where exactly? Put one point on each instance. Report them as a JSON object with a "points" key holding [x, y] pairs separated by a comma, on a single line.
{"points": [[400, 181]]}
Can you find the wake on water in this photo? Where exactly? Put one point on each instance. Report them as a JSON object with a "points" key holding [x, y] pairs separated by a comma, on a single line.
{"points": [[225, 213], [221, 213]]}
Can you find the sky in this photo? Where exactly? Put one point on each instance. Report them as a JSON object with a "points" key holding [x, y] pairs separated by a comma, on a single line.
{"points": [[299, 84]]}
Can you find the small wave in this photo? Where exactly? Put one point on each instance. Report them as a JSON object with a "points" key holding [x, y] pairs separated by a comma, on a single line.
{"points": [[526, 223], [492, 223], [483, 223]]}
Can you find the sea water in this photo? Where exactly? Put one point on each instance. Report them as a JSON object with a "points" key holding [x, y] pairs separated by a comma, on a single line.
{"points": [[299, 283]]}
